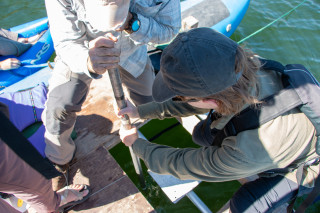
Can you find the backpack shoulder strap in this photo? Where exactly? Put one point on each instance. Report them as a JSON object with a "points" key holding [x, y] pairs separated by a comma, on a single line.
{"points": [[270, 108], [271, 65], [10, 135]]}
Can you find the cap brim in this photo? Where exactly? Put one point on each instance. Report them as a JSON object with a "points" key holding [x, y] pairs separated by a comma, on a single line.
{"points": [[160, 91]]}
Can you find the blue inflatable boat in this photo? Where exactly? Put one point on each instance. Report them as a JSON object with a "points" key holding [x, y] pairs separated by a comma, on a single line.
{"points": [[221, 15], [34, 58]]}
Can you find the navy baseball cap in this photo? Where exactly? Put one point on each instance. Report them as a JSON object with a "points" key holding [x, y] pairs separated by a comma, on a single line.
{"points": [[197, 63]]}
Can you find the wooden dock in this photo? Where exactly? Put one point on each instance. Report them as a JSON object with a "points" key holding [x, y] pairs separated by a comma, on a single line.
{"points": [[97, 132]]}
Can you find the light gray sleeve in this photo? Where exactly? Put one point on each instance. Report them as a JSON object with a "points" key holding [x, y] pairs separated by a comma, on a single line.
{"points": [[68, 34], [159, 23]]}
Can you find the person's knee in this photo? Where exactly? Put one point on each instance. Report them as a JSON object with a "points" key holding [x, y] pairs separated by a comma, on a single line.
{"points": [[66, 100], [61, 113], [249, 198], [239, 202], [58, 110], [59, 118], [263, 194]]}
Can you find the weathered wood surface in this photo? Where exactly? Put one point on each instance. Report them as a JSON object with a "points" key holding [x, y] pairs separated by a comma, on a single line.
{"points": [[97, 131]]}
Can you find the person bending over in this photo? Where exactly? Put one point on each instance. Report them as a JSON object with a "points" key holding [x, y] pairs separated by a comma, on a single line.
{"points": [[203, 71]]}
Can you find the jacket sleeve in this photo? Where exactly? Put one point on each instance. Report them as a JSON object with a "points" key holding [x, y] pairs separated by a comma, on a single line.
{"points": [[159, 23], [278, 143], [168, 109], [68, 34], [213, 164]]}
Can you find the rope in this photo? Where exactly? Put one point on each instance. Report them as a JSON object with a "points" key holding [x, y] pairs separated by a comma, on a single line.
{"points": [[258, 31]]}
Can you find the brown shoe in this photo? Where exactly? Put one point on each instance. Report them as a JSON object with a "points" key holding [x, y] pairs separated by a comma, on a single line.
{"points": [[62, 180]]}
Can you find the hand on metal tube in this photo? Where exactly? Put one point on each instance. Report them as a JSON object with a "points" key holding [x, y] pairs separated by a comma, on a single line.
{"points": [[130, 110], [129, 136], [103, 55]]}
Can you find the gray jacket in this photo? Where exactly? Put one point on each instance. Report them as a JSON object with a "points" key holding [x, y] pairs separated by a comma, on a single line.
{"points": [[71, 32]]}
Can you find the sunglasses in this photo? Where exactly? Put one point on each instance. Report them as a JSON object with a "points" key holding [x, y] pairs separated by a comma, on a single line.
{"points": [[183, 99]]}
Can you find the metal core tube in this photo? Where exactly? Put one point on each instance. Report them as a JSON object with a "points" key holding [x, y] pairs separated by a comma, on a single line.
{"points": [[119, 96]]}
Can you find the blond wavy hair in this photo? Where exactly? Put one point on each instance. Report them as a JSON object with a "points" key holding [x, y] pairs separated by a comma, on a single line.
{"points": [[246, 90]]}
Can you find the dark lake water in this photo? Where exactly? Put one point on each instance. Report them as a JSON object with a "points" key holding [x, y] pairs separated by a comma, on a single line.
{"points": [[293, 39]]}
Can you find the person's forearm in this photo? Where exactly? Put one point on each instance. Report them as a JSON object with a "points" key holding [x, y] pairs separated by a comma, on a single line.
{"points": [[203, 163], [154, 110]]}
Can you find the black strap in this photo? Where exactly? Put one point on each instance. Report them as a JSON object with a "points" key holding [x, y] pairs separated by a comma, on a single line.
{"points": [[270, 108], [311, 197], [254, 116], [299, 181], [268, 64], [24, 149]]}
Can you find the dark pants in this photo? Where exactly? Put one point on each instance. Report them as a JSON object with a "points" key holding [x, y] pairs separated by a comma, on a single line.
{"points": [[9, 44], [265, 194], [67, 93]]}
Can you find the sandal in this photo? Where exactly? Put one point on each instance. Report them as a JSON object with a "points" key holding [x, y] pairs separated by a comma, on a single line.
{"points": [[64, 204]]}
